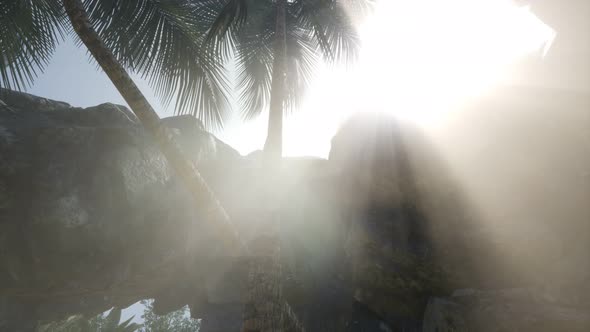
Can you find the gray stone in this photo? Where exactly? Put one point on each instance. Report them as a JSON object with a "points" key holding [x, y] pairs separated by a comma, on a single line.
{"points": [[92, 216], [502, 310], [90, 209]]}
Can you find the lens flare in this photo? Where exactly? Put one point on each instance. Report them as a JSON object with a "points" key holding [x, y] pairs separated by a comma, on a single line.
{"points": [[419, 60]]}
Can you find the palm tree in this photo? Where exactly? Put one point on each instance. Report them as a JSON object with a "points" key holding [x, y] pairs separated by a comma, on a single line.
{"points": [[277, 43], [160, 39]]}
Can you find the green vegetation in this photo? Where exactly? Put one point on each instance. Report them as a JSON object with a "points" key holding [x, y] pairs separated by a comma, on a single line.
{"points": [[277, 44], [101, 323], [179, 321], [160, 40]]}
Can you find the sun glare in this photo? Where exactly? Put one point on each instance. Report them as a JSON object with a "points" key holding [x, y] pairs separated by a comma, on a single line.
{"points": [[419, 59]]}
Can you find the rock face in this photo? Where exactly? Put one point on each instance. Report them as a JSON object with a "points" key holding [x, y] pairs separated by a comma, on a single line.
{"points": [[400, 207], [90, 209], [376, 238], [506, 310], [393, 271], [497, 202]]}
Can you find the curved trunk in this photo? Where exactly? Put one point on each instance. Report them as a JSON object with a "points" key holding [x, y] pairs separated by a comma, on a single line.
{"points": [[204, 198], [273, 147]]}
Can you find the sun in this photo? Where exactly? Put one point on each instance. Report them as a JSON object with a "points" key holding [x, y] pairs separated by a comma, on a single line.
{"points": [[419, 59]]}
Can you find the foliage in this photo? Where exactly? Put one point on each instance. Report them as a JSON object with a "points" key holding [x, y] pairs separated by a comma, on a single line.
{"points": [[101, 323], [160, 39], [179, 320], [29, 33], [314, 27]]}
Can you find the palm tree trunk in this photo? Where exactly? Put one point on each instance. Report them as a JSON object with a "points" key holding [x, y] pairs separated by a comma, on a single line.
{"points": [[264, 310], [205, 200], [273, 147]]}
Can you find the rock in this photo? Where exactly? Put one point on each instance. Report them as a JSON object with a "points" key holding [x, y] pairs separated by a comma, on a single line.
{"points": [[410, 230], [393, 269], [366, 151], [90, 208], [502, 310], [27, 101], [92, 216]]}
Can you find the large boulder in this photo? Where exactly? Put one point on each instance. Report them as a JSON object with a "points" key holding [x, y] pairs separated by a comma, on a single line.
{"points": [[502, 310], [389, 240], [91, 213], [92, 216], [496, 200]]}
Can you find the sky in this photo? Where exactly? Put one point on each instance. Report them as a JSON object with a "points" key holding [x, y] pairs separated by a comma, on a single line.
{"points": [[419, 59], [72, 76]]}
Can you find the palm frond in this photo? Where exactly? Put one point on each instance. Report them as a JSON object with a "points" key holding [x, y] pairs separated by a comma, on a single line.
{"points": [[232, 14], [314, 28], [218, 37], [331, 26], [358, 8], [163, 40], [128, 326], [254, 58], [112, 319], [301, 63], [29, 33]]}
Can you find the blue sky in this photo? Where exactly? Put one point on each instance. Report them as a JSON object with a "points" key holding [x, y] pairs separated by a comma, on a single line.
{"points": [[73, 78], [76, 79]]}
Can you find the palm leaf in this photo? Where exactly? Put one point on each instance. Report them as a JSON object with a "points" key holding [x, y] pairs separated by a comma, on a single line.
{"points": [[232, 14], [112, 319], [254, 58], [163, 40], [332, 27], [358, 8], [301, 63], [128, 326], [312, 26], [29, 33]]}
